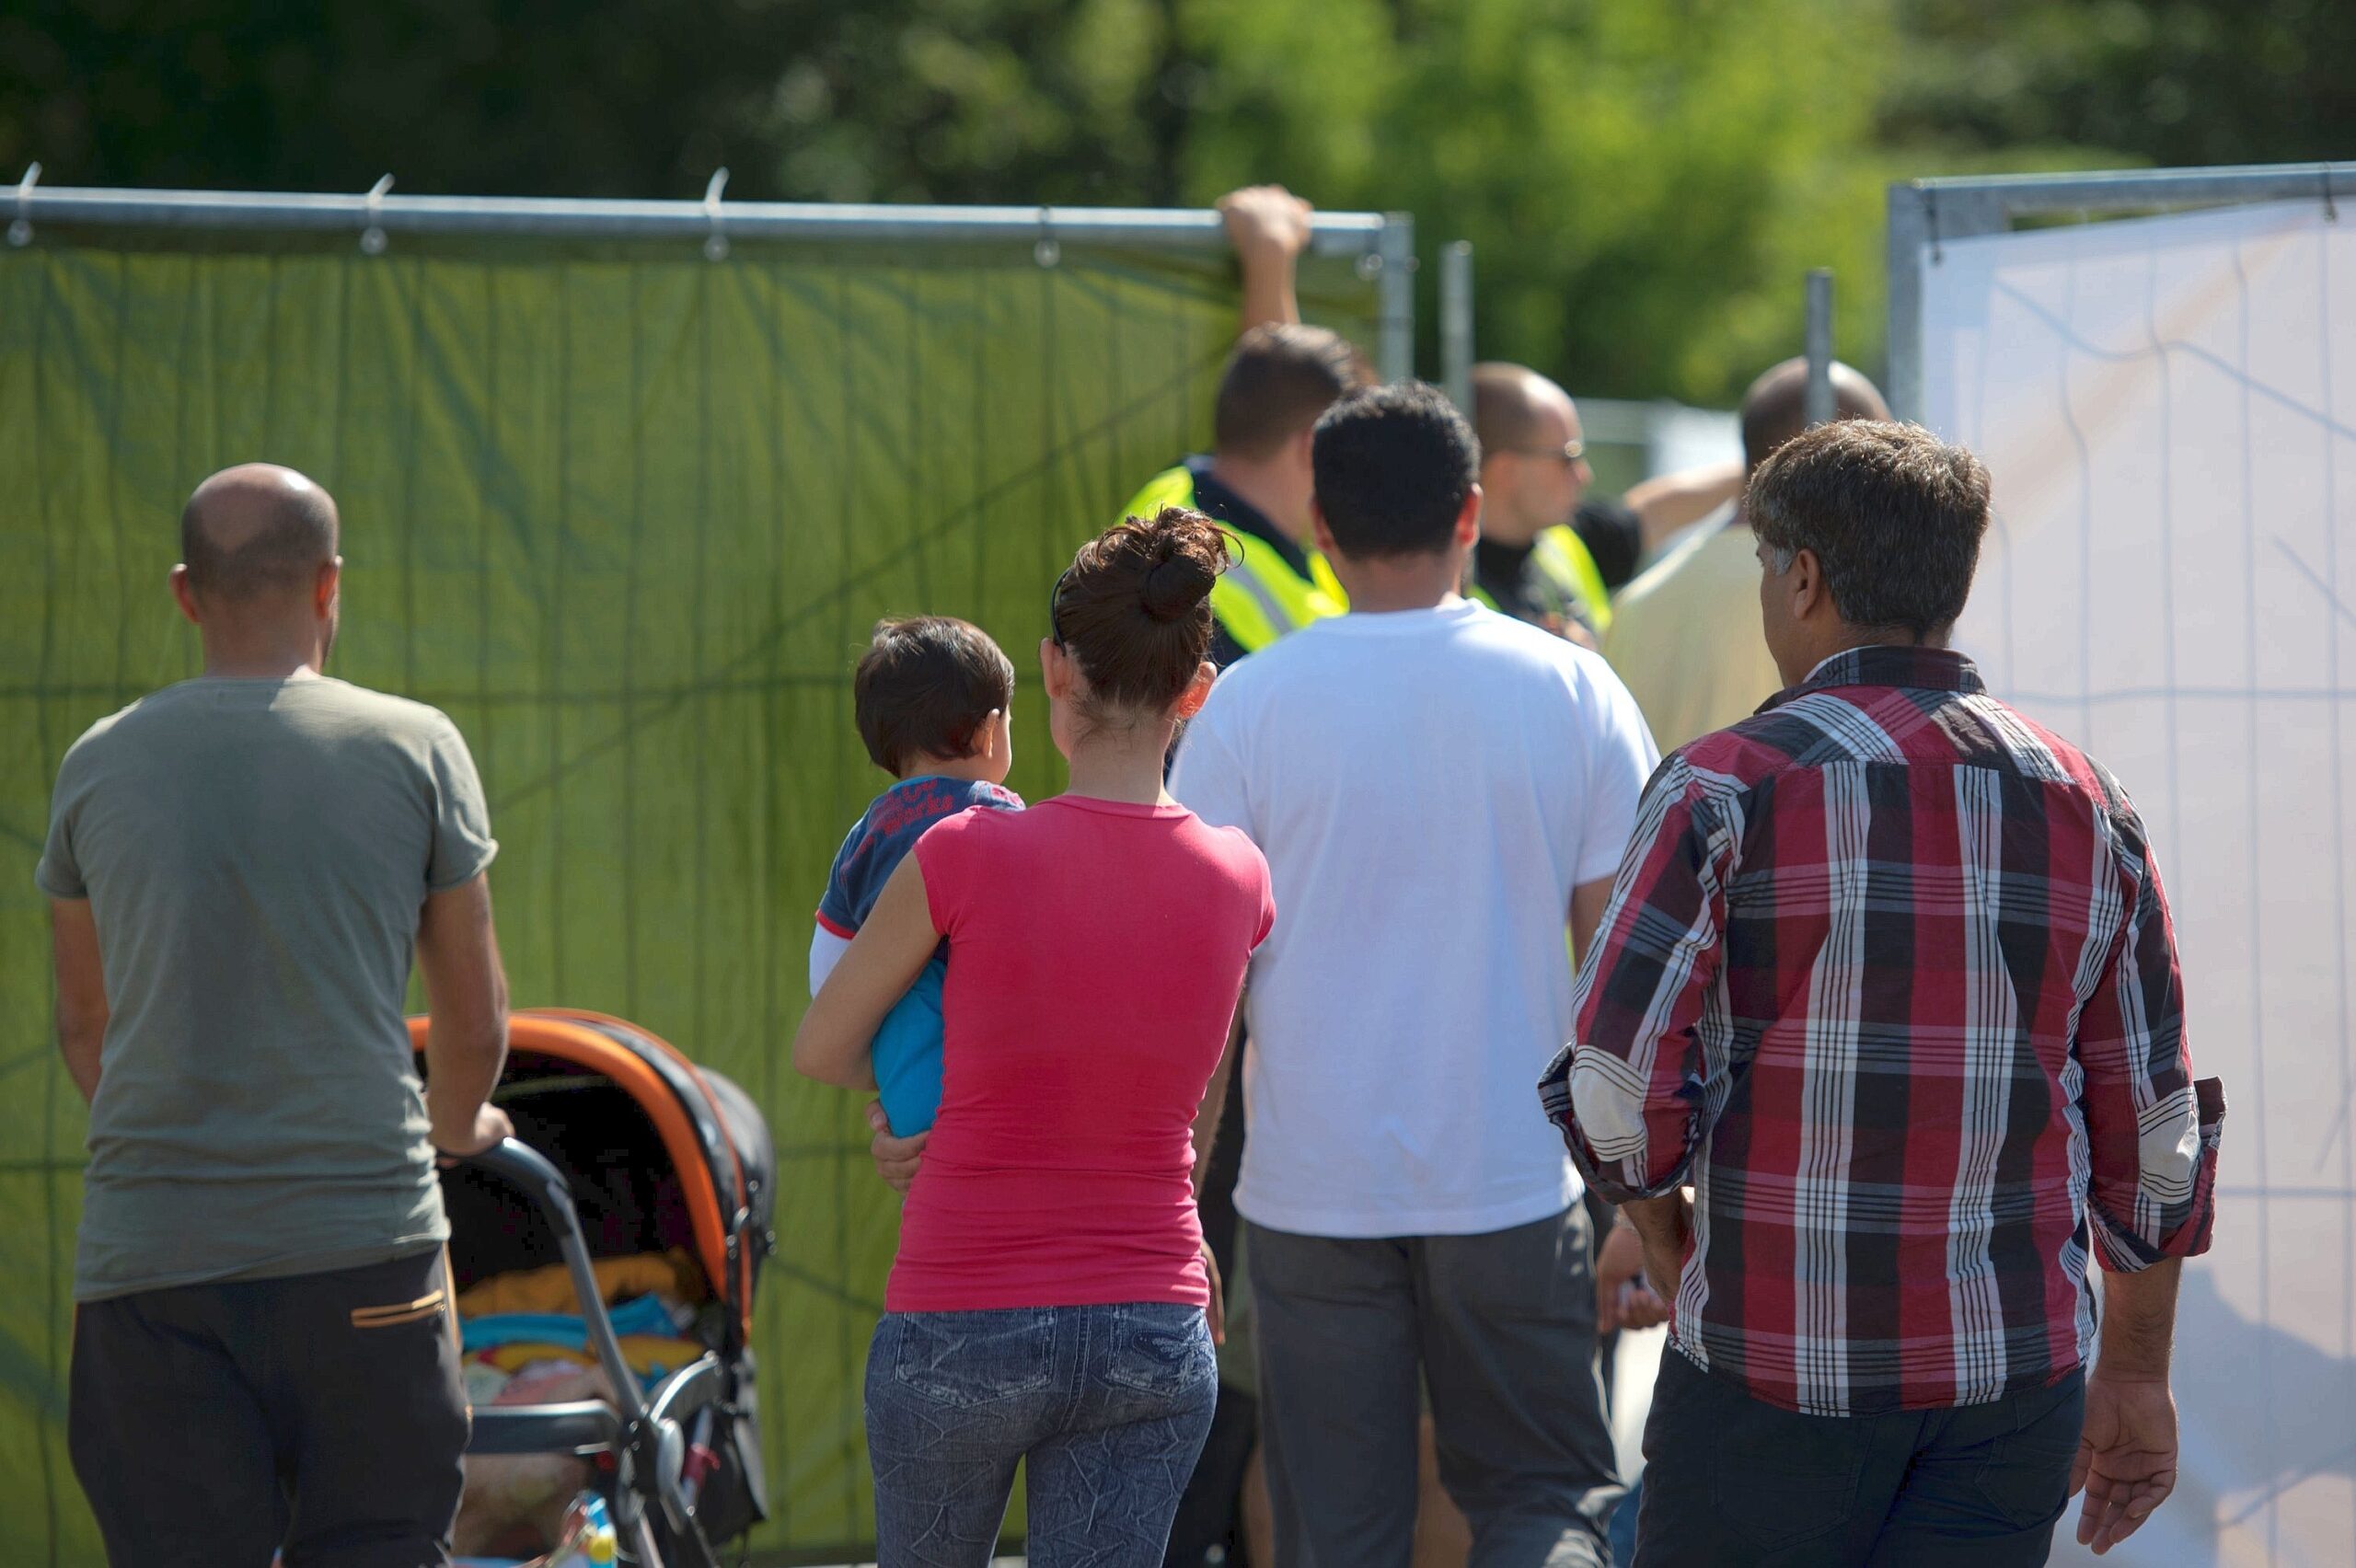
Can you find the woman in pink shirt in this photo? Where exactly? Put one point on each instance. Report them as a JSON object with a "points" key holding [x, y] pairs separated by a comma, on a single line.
{"points": [[1051, 1294]]}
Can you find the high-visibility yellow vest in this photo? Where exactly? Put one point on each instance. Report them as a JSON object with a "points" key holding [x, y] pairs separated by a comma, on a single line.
{"points": [[1261, 597], [1571, 578]]}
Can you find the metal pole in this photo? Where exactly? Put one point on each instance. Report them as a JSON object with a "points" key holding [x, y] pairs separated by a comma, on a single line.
{"points": [[1332, 234], [1396, 259], [1909, 232], [1817, 407], [1456, 323], [2018, 193]]}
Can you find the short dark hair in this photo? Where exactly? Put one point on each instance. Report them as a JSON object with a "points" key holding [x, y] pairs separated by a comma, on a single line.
{"points": [[1393, 465], [295, 538], [1893, 514], [923, 688], [1280, 377]]}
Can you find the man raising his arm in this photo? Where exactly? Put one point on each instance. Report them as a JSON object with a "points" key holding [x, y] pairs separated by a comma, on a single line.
{"points": [[240, 867]]}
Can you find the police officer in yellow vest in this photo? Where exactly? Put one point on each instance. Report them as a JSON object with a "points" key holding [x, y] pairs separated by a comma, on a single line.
{"points": [[1548, 554], [1255, 480]]}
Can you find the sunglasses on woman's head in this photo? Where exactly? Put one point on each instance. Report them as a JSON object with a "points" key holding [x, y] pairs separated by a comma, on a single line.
{"points": [[1055, 627]]}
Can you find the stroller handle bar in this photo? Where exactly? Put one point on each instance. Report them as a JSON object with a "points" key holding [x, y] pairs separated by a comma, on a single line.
{"points": [[544, 1186], [649, 1440]]}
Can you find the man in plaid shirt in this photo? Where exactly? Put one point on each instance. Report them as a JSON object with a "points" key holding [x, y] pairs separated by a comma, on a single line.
{"points": [[1887, 978]]}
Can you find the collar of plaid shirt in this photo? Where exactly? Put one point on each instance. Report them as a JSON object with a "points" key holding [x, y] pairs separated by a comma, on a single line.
{"points": [[1886, 664]]}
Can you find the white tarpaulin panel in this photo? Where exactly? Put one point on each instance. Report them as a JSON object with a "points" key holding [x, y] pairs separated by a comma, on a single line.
{"points": [[2168, 406]]}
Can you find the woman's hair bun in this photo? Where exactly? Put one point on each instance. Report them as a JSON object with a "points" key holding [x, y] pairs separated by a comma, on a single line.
{"points": [[1133, 609], [1187, 553]]}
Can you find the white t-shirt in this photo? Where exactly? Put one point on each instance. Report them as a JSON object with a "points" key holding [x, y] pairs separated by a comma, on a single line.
{"points": [[827, 950], [1428, 786]]}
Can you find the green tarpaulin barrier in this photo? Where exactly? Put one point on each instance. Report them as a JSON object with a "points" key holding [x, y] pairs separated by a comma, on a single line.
{"points": [[627, 515]]}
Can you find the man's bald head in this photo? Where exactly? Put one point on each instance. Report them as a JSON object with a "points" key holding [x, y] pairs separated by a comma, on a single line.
{"points": [[1509, 402], [256, 530], [1775, 409]]}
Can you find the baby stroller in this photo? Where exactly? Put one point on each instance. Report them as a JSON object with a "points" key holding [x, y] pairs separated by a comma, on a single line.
{"points": [[626, 1151]]}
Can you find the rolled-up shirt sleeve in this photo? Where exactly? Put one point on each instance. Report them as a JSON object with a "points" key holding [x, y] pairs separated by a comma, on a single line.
{"points": [[2151, 1132], [1629, 1091]]}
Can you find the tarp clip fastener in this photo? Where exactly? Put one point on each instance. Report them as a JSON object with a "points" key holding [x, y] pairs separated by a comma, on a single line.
{"points": [[2330, 208], [371, 238], [715, 245], [21, 233], [1047, 252]]}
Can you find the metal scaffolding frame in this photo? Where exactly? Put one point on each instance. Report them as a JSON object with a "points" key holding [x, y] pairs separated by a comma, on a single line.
{"points": [[1383, 244], [1924, 213], [1456, 323]]}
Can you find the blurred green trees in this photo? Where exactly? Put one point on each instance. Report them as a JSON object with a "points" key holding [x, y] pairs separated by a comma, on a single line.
{"points": [[1644, 180]]}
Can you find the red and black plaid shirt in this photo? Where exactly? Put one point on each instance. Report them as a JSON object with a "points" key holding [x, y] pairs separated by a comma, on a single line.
{"points": [[1888, 977]]}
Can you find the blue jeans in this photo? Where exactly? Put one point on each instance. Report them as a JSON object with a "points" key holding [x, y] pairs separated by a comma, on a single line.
{"points": [[1109, 1404]]}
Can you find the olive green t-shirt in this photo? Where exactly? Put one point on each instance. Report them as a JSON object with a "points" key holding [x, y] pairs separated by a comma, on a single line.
{"points": [[255, 854]]}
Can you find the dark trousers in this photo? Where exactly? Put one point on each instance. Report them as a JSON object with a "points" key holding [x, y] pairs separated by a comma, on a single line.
{"points": [[1211, 1514], [1731, 1481], [1501, 1327], [214, 1425]]}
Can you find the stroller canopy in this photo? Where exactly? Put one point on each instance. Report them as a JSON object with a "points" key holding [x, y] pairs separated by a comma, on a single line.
{"points": [[717, 1144]]}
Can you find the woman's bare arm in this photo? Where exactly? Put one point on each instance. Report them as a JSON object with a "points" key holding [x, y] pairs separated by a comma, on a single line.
{"points": [[883, 961]]}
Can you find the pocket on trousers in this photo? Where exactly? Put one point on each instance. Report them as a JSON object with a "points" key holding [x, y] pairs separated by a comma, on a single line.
{"points": [[431, 1306], [1776, 1497], [1162, 1350], [2024, 1479], [963, 1359]]}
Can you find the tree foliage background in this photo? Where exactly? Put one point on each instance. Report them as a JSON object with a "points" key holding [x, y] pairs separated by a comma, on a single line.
{"points": [[1645, 181]]}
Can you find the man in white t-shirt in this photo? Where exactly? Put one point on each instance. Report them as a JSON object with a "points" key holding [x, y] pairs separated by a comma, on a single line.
{"points": [[1439, 789]]}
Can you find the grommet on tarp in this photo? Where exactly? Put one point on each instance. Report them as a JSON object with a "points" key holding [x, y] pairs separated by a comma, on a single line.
{"points": [[21, 233], [1370, 265], [2330, 207], [715, 245], [1047, 252], [371, 238]]}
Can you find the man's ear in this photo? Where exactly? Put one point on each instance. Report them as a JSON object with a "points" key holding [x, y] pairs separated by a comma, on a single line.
{"points": [[1468, 519], [1808, 592], [323, 590], [184, 596], [1304, 447], [1323, 535]]}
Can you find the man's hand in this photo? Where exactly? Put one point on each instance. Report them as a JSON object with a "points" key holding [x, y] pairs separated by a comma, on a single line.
{"points": [[1664, 1225], [895, 1158], [1216, 1311], [490, 1125], [1268, 226], [2126, 1459], [1265, 221], [1623, 1297]]}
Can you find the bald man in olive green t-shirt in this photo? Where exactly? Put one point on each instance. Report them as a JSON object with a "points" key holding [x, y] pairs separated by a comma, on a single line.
{"points": [[240, 867]]}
